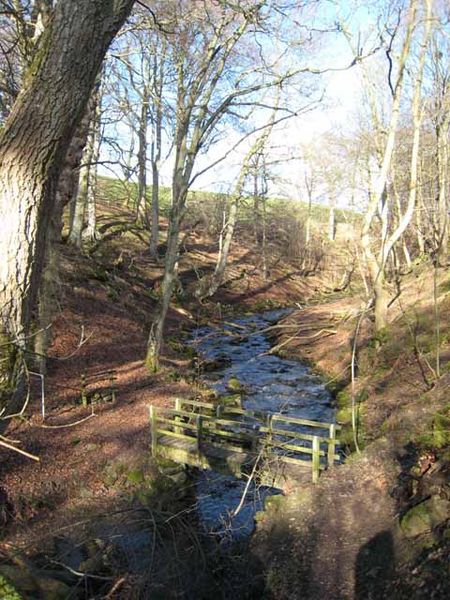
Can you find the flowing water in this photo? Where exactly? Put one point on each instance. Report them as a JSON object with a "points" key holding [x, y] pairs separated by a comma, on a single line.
{"points": [[271, 384]]}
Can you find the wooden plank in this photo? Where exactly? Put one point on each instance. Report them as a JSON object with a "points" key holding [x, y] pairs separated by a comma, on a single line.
{"points": [[306, 422], [228, 434], [208, 405], [177, 418], [294, 448], [296, 435], [315, 460], [294, 461], [233, 423], [331, 446], [175, 424], [180, 436], [199, 431]]}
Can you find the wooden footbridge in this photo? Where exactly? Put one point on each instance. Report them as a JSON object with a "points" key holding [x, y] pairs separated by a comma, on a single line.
{"points": [[278, 450]]}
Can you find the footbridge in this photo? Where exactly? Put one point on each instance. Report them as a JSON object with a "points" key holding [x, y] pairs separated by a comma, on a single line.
{"points": [[276, 449]]}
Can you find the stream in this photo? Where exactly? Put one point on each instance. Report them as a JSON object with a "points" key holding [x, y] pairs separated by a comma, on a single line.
{"points": [[271, 384]]}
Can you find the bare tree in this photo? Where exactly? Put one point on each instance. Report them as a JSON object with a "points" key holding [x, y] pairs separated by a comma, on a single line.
{"points": [[206, 43]]}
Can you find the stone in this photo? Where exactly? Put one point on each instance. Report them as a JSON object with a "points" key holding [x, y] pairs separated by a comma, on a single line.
{"points": [[53, 589], [234, 384], [423, 517]]}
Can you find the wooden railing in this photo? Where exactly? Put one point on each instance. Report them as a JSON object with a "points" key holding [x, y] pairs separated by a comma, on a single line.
{"points": [[279, 437]]}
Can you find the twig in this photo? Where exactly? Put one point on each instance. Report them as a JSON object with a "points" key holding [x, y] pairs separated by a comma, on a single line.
{"points": [[115, 587], [298, 337], [81, 343], [23, 452], [247, 485], [80, 573], [69, 424]]}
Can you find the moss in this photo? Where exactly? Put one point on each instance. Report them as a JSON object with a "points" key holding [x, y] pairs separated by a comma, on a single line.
{"points": [[441, 428], [135, 477], [423, 517], [343, 399], [234, 384], [7, 591], [234, 400]]}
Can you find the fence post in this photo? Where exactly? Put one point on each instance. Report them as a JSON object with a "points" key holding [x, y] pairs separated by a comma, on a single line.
{"points": [[269, 426], [177, 419], [112, 385], [83, 390], [331, 446], [153, 429], [199, 431], [315, 459]]}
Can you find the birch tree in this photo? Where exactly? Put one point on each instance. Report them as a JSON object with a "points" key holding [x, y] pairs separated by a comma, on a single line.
{"points": [[379, 241]]}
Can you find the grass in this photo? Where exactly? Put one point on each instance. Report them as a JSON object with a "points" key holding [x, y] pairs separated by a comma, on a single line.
{"points": [[124, 193]]}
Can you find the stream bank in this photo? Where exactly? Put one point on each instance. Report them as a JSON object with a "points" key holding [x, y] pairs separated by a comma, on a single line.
{"points": [[379, 525]]}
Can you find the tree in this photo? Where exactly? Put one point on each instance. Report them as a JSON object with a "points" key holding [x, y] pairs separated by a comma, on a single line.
{"points": [[205, 39], [379, 234], [33, 144]]}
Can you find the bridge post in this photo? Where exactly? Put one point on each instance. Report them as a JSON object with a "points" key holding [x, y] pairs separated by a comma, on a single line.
{"points": [[315, 459], [199, 431], [153, 428], [331, 446], [178, 405]]}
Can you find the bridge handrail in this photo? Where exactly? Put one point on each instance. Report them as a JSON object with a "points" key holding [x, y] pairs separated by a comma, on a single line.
{"points": [[211, 426]]}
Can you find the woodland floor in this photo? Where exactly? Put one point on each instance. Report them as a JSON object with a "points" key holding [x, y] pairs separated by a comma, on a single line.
{"points": [[109, 299], [341, 539]]}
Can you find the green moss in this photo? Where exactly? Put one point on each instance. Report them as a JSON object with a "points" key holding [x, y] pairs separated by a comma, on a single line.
{"points": [[441, 428], [7, 591], [343, 399], [135, 477], [234, 384], [234, 400], [425, 516]]}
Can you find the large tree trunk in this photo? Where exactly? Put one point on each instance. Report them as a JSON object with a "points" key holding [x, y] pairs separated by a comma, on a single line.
{"points": [[33, 145]]}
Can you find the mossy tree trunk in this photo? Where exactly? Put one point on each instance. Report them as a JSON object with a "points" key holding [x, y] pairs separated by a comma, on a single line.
{"points": [[33, 145]]}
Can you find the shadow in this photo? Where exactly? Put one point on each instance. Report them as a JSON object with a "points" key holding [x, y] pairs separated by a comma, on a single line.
{"points": [[375, 568], [268, 286]]}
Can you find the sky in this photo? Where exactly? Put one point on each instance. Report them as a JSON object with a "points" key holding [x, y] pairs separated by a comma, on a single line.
{"points": [[342, 90]]}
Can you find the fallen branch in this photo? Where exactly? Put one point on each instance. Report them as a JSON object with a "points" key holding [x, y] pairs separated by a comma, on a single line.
{"points": [[23, 452], [298, 337], [237, 510], [69, 424]]}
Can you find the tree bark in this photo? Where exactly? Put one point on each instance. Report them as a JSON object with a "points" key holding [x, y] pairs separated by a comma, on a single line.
{"points": [[179, 194], [141, 203], [33, 145]]}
